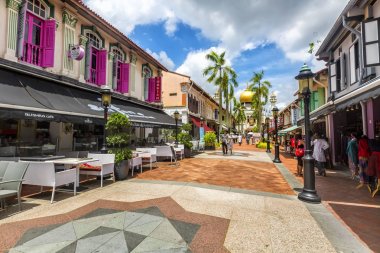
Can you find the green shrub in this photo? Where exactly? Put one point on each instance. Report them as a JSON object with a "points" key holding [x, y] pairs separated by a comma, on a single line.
{"points": [[184, 136], [118, 137], [210, 138], [263, 145]]}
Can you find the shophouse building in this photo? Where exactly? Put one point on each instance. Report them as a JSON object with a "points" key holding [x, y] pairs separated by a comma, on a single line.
{"points": [[193, 103], [55, 58], [352, 53]]}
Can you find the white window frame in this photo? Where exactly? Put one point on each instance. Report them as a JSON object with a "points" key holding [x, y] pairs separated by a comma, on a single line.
{"points": [[372, 41], [42, 3], [333, 87], [100, 41]]}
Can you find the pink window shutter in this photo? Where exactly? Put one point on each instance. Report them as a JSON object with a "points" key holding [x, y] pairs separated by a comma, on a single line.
{"points": [[48, 43], [157, 90], [101, 67], [152, 83], [124, 76]]}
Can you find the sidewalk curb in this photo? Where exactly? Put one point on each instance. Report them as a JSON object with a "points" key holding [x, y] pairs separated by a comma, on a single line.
{"points": [[337, 233]]}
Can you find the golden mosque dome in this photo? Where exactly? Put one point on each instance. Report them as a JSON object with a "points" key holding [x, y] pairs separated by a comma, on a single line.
{"points": [[246, 96]]}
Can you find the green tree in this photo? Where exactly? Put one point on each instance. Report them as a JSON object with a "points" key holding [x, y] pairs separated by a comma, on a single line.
{"points": [[221, 75], [261, 89]]}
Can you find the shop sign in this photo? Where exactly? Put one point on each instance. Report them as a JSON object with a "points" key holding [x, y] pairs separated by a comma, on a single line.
{"points": [[76, 52], [201, 134], [294, 115], [157, 90], [38, 115]]}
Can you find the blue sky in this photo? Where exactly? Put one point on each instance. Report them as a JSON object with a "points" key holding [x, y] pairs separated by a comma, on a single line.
{"points": [[267, 35]]}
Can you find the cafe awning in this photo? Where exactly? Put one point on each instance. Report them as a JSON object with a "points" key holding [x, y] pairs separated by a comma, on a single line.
{"points": [[288, 130], [28, 97], [197, 122]]}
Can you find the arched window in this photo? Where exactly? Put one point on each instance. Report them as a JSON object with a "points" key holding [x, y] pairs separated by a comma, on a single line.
{"points": [[38, 8], [119, 55], [39, 35], [94, 39]]}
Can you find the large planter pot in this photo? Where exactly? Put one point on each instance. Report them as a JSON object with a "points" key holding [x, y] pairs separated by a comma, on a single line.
{"points": [[187, 152], [211, 147], [121, 170]]}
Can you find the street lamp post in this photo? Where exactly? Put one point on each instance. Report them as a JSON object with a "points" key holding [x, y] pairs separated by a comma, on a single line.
{"points": [[268, 141], [276, 146], [308, 194], [106, 102], [176, 117]]}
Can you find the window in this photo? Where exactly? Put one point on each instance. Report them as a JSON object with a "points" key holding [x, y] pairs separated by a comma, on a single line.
{"points": [[354, 63], [148, 82], [37, 8], [96, 59], [122, 71], [332, 77], [338, 75], [39, 40], [371, 42]]}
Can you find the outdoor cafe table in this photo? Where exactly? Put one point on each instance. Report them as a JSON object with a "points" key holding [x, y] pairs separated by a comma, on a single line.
{"points": [[41, 158], [145, 155], [76, 162]]}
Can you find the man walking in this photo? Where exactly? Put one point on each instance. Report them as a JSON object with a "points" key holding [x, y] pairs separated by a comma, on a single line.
{"points": [[224, 143], [320, 146], [240, 138]]}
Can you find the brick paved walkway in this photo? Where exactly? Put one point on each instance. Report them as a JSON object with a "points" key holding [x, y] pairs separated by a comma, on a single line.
{"points": [[226, 171], [354, 207]]}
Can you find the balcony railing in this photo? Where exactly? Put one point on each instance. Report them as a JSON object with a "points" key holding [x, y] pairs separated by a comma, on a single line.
{"points": [[93, 76], [32, 54]]}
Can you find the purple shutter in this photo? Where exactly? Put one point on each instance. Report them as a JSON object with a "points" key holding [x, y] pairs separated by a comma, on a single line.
{"points": [[101, 67], [152, 84], [124, 77], [48, 43]]}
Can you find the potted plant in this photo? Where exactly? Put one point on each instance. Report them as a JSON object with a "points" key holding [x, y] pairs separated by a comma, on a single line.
{"points": [[210, 140], [185, 138], [117, 138]]}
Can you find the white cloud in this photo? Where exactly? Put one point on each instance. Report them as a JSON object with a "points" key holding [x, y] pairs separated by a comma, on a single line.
{"points": [[237, 27], [194, 65], [163, 58]]}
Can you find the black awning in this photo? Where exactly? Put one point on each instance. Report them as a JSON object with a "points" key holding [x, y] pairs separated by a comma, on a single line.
{"points": [[28, 97], [356, 99]]}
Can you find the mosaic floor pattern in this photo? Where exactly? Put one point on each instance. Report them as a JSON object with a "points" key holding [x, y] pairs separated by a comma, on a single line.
{"points": [[112, 230]]}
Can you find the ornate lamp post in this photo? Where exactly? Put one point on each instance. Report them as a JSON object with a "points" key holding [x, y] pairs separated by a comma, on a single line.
{"points": [[106, 102], [277, 146], [268, 141], [176, 117], [308, 194]]}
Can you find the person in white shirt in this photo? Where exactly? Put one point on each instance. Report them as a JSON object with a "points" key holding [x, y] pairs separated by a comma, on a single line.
{"points": [[319, 147], [240, 138]]}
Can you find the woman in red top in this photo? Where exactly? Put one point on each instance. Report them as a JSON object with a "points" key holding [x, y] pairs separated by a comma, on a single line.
{"points": [[363, 160]]}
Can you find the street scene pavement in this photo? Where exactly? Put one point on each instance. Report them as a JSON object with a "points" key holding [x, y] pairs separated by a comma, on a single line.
{"points": [[209, 203]]}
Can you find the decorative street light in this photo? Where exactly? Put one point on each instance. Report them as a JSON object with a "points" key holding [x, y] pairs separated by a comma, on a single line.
{"points": [[276, 146], [106, 102], [268, 141], [308, 194], [176, 117], [273, 99]]}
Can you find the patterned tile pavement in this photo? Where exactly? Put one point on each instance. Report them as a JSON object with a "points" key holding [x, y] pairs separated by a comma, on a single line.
{"points": [[158, 225]]}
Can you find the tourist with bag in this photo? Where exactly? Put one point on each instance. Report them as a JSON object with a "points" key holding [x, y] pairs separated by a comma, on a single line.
{"points": [[300, 152]]}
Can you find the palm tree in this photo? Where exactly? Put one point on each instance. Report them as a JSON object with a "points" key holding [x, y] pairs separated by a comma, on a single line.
{"points": [[239, 113], [219, 74], [229, 85], [261, 88]]}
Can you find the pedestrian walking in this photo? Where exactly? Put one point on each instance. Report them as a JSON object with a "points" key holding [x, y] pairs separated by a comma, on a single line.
{"points": [[247, 138], [300, 152], [363, 154], [230, 143], [320, 147], [224, 143], [352, 153], [240, 138]]}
